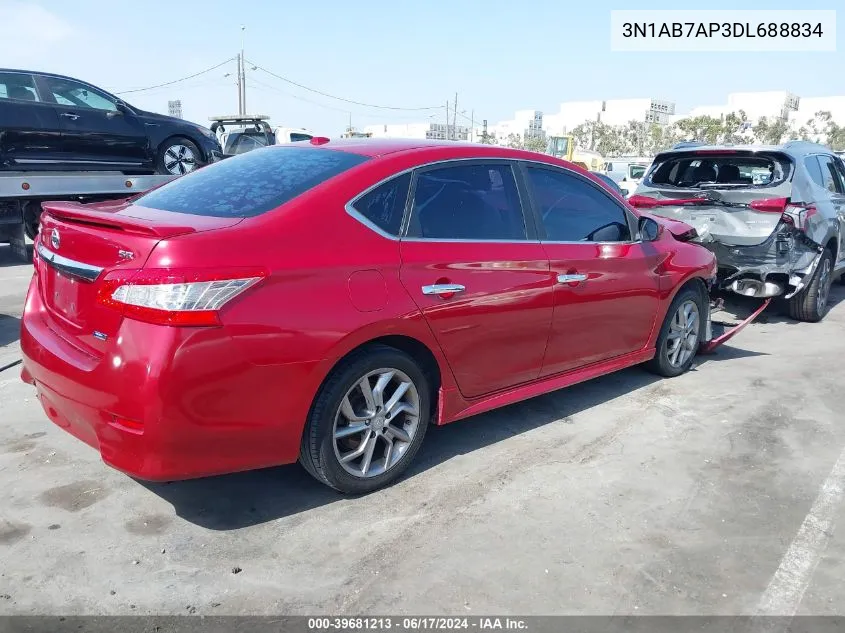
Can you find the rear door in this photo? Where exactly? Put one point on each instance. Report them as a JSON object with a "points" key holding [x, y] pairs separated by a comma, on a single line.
{"points": [[607, 290], [834, 181], [30, 133], [96, 132], [474, 267]]}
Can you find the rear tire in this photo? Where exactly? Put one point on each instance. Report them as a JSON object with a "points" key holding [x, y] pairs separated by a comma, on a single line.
{"points": [[390, 427], [811, 304], [178, 156], [680, 334]]}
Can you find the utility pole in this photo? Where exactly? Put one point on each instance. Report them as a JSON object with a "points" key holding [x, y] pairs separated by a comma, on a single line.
{"points": [[472, 127], [242, 77], [448, 136], [240, 86], [455, 117]]}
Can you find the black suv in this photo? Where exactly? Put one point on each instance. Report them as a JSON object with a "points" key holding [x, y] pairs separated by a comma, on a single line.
{"points": [[54, 123]]}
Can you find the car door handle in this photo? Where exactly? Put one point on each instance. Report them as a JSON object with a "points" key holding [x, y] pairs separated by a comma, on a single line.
{"points": [[442, 289], [571, 279], [70, 115]]}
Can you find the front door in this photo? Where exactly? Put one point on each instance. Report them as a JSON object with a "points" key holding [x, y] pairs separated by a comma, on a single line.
{"points": [[30, 133], [483, 286], [96, 132], [607, 291]]}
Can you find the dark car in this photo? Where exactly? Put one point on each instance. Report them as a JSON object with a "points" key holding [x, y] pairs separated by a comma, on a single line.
{"points": [[51, 122]]}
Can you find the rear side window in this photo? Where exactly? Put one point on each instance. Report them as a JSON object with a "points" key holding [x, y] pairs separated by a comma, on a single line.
{"points": [[252, 183], [718, 171], [815, 170], [384, 206], [467, 202], [18, 86], [830, 175]]}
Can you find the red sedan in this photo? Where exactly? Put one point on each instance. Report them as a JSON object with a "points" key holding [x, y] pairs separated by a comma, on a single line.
{"points": [[324, 302]]}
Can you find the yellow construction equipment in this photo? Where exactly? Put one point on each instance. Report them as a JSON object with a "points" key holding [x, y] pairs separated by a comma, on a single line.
{"points": [[565, 147]]}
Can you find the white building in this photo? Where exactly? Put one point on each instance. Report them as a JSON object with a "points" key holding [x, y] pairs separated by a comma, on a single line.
{"points": [[428, 130], [809, 106], [611, 112], [174, 108], [773, 104], [525, 124]]}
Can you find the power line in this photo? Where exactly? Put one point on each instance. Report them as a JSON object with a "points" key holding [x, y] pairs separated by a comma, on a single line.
{"points": [[325, 94], [260, 85], [176, 81]]}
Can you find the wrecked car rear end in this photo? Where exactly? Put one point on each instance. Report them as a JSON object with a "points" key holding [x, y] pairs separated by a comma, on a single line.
{"points": [[749, 208]]}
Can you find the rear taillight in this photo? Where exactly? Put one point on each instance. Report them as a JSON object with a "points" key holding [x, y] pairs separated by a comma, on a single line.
{"points": [[647, 202], [175, 297], [769, 205], [796, 214]]}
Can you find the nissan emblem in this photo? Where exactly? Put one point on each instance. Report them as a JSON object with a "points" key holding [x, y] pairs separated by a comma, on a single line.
{"points": [[54, 239]]}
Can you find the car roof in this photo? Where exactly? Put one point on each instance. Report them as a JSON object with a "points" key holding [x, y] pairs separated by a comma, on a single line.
{"points": [[375, 147], [792, 148]]}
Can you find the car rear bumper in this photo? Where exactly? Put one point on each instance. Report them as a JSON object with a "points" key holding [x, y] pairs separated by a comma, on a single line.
{"points": [[168, 403], [780, 265]]}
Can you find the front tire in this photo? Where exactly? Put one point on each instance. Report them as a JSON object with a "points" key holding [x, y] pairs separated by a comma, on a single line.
{"points": [[680, 334], [811, 304], [178, 156], [367, 422]]}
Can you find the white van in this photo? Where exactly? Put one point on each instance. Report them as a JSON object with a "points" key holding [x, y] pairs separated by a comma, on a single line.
{"points": [[292, 135], [627, 172]]}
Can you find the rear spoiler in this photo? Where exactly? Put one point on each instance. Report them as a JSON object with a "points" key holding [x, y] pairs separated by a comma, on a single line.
{"points": [[111, 220]]}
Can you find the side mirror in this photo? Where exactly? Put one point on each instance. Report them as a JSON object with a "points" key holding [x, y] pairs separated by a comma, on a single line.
{"points": [[649, 229]]}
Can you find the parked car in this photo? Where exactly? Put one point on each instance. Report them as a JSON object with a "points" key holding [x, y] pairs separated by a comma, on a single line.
{"points": [[292, 135], [609, 182], [325, 301], [51, 122], [627, 172], [242, 133], [773, 215]]}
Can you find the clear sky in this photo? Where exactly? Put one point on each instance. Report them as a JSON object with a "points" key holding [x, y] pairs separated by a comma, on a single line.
{"points": [[499, 56]]}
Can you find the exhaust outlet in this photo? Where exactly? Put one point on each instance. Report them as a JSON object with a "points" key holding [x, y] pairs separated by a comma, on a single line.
{"points": [[756, 288]]}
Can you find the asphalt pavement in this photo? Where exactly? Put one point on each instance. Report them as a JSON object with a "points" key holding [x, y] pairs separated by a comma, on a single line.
{"points": [[715, 493]]}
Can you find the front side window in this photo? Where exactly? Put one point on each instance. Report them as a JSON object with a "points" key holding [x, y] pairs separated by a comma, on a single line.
{"points": [[250, 184], [72, 93], [574, 210], [384, 206], [467, 202], [17, 86]]}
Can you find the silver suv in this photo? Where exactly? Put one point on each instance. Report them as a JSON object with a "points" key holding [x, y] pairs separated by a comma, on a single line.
{"points": [[774, 216]]}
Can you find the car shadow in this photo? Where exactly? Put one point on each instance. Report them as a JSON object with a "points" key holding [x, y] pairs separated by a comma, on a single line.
{"points": [[9, 258], [10, 329], [230, 502], [776, 312]]}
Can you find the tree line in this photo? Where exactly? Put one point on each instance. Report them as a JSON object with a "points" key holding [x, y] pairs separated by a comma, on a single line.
{"points": [[646, 139]]}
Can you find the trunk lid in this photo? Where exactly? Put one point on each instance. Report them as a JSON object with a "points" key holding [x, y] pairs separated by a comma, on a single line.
{"points": [[78, 245], [728, 196]]}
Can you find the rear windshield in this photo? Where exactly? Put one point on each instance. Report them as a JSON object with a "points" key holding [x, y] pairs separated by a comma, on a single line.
{"points": [[251, 183], [719, 171]]}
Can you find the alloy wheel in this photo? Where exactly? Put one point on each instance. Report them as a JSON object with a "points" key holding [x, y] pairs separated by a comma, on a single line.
{"points": [[682, 340], [376, 422], [824, 286], [179, 160]]}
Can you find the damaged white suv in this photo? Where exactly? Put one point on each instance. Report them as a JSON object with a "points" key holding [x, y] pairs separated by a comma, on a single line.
{"points": [[774, 216]]}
